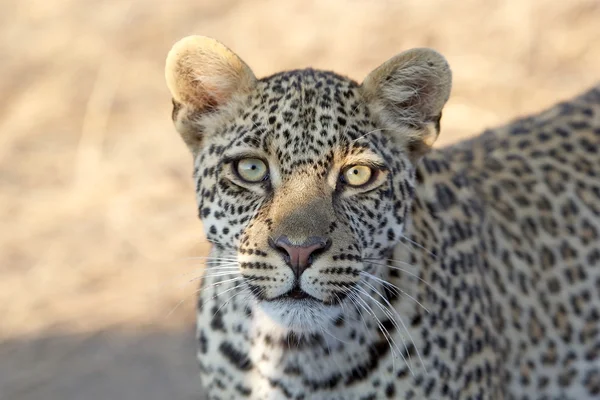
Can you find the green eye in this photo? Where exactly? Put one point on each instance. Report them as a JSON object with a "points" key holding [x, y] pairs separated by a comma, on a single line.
{"points": [[357, 175], [252, 170]]}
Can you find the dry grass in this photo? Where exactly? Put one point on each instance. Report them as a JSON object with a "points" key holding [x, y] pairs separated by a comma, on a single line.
{"points": [[98, 216]]}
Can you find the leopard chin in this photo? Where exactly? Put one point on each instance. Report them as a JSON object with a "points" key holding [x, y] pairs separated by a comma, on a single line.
{"points": [[302, 316]]}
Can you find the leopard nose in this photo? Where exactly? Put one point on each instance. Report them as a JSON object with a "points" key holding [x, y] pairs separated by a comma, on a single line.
{"points": [[300, 256]]}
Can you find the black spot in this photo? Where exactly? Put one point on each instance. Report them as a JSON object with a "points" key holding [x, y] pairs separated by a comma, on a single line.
{"points": [[360, 372], [339, 321], [445, 195], [217, 320], [391, 235], [554, 285], [238, 359], [202, 342], [390, 391], [244, 391]]}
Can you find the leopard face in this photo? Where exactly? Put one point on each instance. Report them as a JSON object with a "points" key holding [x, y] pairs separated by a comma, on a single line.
{"points": [[304, 176], [329, 194]]}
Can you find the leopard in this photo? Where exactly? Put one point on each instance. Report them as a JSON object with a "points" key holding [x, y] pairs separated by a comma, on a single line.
{"points": [[353, 259]]}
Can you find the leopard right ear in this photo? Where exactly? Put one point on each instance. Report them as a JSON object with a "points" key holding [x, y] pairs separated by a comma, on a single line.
{"points": [[203, 76], [407, 93]]}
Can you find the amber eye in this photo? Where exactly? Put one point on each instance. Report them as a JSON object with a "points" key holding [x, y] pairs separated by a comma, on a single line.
{"points": [[252, 170], [357, 175]]}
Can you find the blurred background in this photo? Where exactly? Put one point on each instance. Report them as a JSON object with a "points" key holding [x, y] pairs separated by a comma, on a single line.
{"points": [[99, 235]]}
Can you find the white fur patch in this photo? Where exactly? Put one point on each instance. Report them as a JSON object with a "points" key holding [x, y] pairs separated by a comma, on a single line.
{"points": [[299, 316]]}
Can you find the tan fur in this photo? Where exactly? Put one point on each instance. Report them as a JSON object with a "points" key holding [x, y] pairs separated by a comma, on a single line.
{"points": [[302, 209]]}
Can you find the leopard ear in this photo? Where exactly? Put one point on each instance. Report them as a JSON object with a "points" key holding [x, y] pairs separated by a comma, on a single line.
{"points": [[203, 76], [408, 93]]}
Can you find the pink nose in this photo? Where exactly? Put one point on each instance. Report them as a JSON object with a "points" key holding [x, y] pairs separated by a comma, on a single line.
{"points": [[300, 256]]}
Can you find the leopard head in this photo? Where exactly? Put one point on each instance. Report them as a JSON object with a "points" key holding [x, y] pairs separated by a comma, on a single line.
{"points": [[305, 175]]}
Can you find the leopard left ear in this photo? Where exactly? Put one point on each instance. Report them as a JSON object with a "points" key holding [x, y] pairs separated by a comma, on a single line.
{"points": [[407, 93]]}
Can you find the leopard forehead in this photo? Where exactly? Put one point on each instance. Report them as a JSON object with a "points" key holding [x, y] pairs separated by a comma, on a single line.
{"points": [[304, 119]]}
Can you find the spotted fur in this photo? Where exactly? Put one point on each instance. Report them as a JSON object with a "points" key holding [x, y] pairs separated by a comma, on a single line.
{"points": [[470, 273]]}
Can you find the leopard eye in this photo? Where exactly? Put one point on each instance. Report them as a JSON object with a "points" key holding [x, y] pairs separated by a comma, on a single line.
{"points": [[357, 175], [252, 170]]}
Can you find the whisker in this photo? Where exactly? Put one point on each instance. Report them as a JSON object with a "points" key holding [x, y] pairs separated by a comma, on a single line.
{"points": [[222, 260], [436, 291], [352, 114], [418, 245], [396, 288], [209, 261], [332, 335], [368, 133], [332, 355], [243, 289], [384, 331], [390, 260], [232, 258], [178, 304], [221, 264], [391, 343], [219, 283], [224, 266], [398, 315], [205, 268], [195, 292], [389, 313], [217, 274], [390, 316], [341, 303], [403, 325], [403, 270], [225, 291], [359, 312], [229, 299], [208, 271]]}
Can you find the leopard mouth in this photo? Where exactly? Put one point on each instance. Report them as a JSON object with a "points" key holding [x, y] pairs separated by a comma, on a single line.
{"points": [[295, 294]]}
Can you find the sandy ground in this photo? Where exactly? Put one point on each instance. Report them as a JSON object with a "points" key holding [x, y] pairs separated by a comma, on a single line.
{"points": [[99, 239]]}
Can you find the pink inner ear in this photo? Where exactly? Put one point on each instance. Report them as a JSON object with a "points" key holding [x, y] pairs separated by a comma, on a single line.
{"points": [[216, 95], [215, 85], [210, 103], [204, 97], [203, 74]]}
